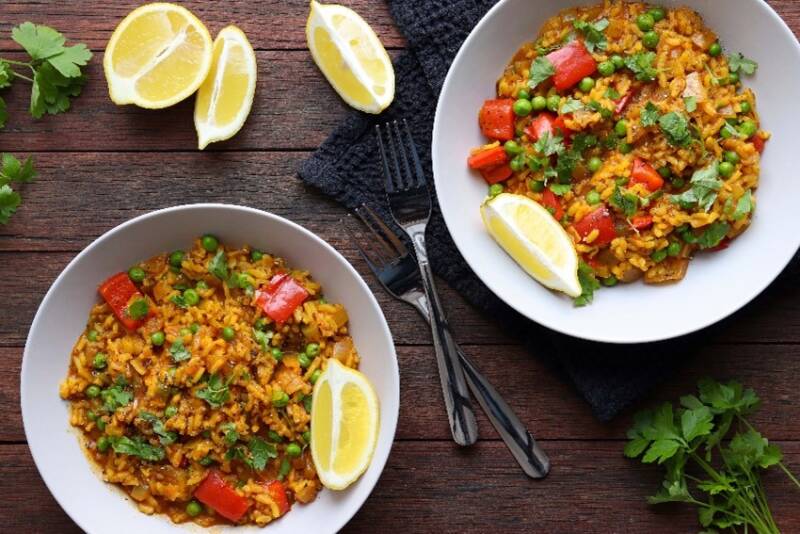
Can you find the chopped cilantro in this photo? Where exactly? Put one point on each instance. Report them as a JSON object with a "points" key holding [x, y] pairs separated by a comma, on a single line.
{"points": [[231, 435], [567, 161], [675, 128], [541, 70], [178, 352], [560, 189], [641, 65], [218, 266], [571, 106], [164, 436], [713, 235], [589, 285], [627, 203], [691, 103], [728, 128], [744, 206], [179, 301], [258, 453], [593, 36], [649, 115], [115, 397], [137, 447], [581, 141], [737, 62], [215, 392], [612, 94], [549, 145], [702, 193]]}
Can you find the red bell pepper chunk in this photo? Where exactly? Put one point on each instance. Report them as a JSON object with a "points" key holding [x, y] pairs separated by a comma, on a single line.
{"points": [[119, 291], [759, 143], [600, 220], [547, 123], [277, 491], [725, 243], [488, 159], [644, 173], [213, 491], [280, 298], [642, 222], [497, 174], [572, 63], [550, 200], [496, 119]]}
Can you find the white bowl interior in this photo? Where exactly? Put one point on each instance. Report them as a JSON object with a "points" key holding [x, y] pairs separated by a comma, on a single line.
{"points": [[99, 507], [717, 284]]}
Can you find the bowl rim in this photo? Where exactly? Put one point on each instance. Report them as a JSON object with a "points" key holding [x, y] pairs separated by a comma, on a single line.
{"points": [[388, 420], [497, 290]]}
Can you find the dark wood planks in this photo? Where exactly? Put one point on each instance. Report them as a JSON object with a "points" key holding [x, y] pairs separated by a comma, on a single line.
{"points": [[433, 487]]}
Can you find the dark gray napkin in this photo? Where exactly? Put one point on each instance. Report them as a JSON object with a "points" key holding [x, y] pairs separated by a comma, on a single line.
{"points": [[346, 167]]}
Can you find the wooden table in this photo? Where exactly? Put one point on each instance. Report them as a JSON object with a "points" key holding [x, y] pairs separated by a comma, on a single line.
{"points": [[100, 165]]}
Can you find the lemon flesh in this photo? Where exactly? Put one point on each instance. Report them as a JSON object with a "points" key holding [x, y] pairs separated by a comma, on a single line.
{"points": [[344, 425], [157, 56], [351, 57], [534, 239], [225, 98]]}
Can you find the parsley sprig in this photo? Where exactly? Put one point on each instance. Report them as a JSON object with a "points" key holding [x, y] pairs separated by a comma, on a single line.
{"points": [[54, 69], [729, 492], [12, 170], [593, 36], [216, 391]]}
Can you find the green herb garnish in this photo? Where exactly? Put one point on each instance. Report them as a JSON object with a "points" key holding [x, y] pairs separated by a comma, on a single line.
{"points": [[738, 63], [137, 447], [713, 235], [215, 392], [649, 115], [744, 206], [12, 170], [589, 285], [571, 106], [691, 103], [560, 189], [115, 397], [165, 436], [179, 352], [541, 69], [702, 193], [218, 266], [593, 36], [627, 203], [675, 128], [641, 65]]}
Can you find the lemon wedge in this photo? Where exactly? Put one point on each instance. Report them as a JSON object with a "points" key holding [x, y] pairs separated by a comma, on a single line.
{"points": [[157, 56], [351, 57], [226, 96], [344, 425], [534, 239]]}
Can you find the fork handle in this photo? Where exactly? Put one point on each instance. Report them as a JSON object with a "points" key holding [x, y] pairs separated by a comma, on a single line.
{"points": [[454, 385]]}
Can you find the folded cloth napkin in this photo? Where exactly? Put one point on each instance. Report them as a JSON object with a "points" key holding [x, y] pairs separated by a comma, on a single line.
{"points": [[346, 168]]}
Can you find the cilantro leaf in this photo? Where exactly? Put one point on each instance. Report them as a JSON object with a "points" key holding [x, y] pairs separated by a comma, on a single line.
{"points": [[215, 392], [6, 74], [737, 62], [612, 94], [649, 115], [165, 436], [743, 206], [627, 203], [541, 70], [9, 202], [571, 106], [589, 285], [560, 189], [40, 42], [593, 36], [52, 91], [138, 309], [179, 301], [661, 450], [641, 64], [691, 103], [728, 128], [70, 60], [115, 397], [231, 435], [582, 141], [137, 447], [549, 145], [712, 236], [13, 170], [675, 128], [260, 453], [3, 114], [704, 185], [218, 266], [178, 352], [565, 166]]}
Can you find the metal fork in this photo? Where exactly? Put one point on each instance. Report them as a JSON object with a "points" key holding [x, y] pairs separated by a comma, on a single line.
{"points": [[410, 203], [393, 265]]}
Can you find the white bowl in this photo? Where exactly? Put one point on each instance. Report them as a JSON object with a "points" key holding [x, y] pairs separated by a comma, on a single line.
{"points": [[717, 284], [98, 507]]}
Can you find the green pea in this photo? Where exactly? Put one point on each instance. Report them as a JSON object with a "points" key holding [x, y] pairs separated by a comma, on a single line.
{"points": [[274, 436], [523, 94], [594, 164], [157, 338], [495, 189], [293, 450], [726, 133], [553, 103], [621, 128], [193, 509], [726, 169], [315, 376], [190, 297], [523, 107], [618, 61], [209, 242], [731, 157], [176, 258], [537, 186], [678, 182], [277, 353], [312, 349], [586, 85], [651, 39], [92, 335], [715, 49], [606, 68], [136, 274], [733, 78], [170, 411], [593, 197], [674, 249], [228, 333], [194, 328], [665, 171], [256, 255], [303, 360], [103, 443], [748, 128], [539, 103], [307, 436], [512, 148], [100, 360], [279, 398], [517, 164], [625, 148], [657, 13], [101, 424], [93, 391], [260, 324], [745, 107], [645, 22], [659, 255], [611, 281]]}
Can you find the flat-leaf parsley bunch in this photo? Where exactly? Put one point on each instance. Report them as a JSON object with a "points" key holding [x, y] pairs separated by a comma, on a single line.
{"points": [[727, 489], [54, 70]]}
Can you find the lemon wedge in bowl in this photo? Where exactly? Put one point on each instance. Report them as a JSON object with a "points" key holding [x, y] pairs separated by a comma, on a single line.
{"points": [[345, 419], [351, 57], [157, 56], [534, 239], [226, 96]]}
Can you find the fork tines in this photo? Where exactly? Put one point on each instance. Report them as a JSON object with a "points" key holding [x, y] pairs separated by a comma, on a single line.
{"points": [[385, 247], [397, 169]]}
